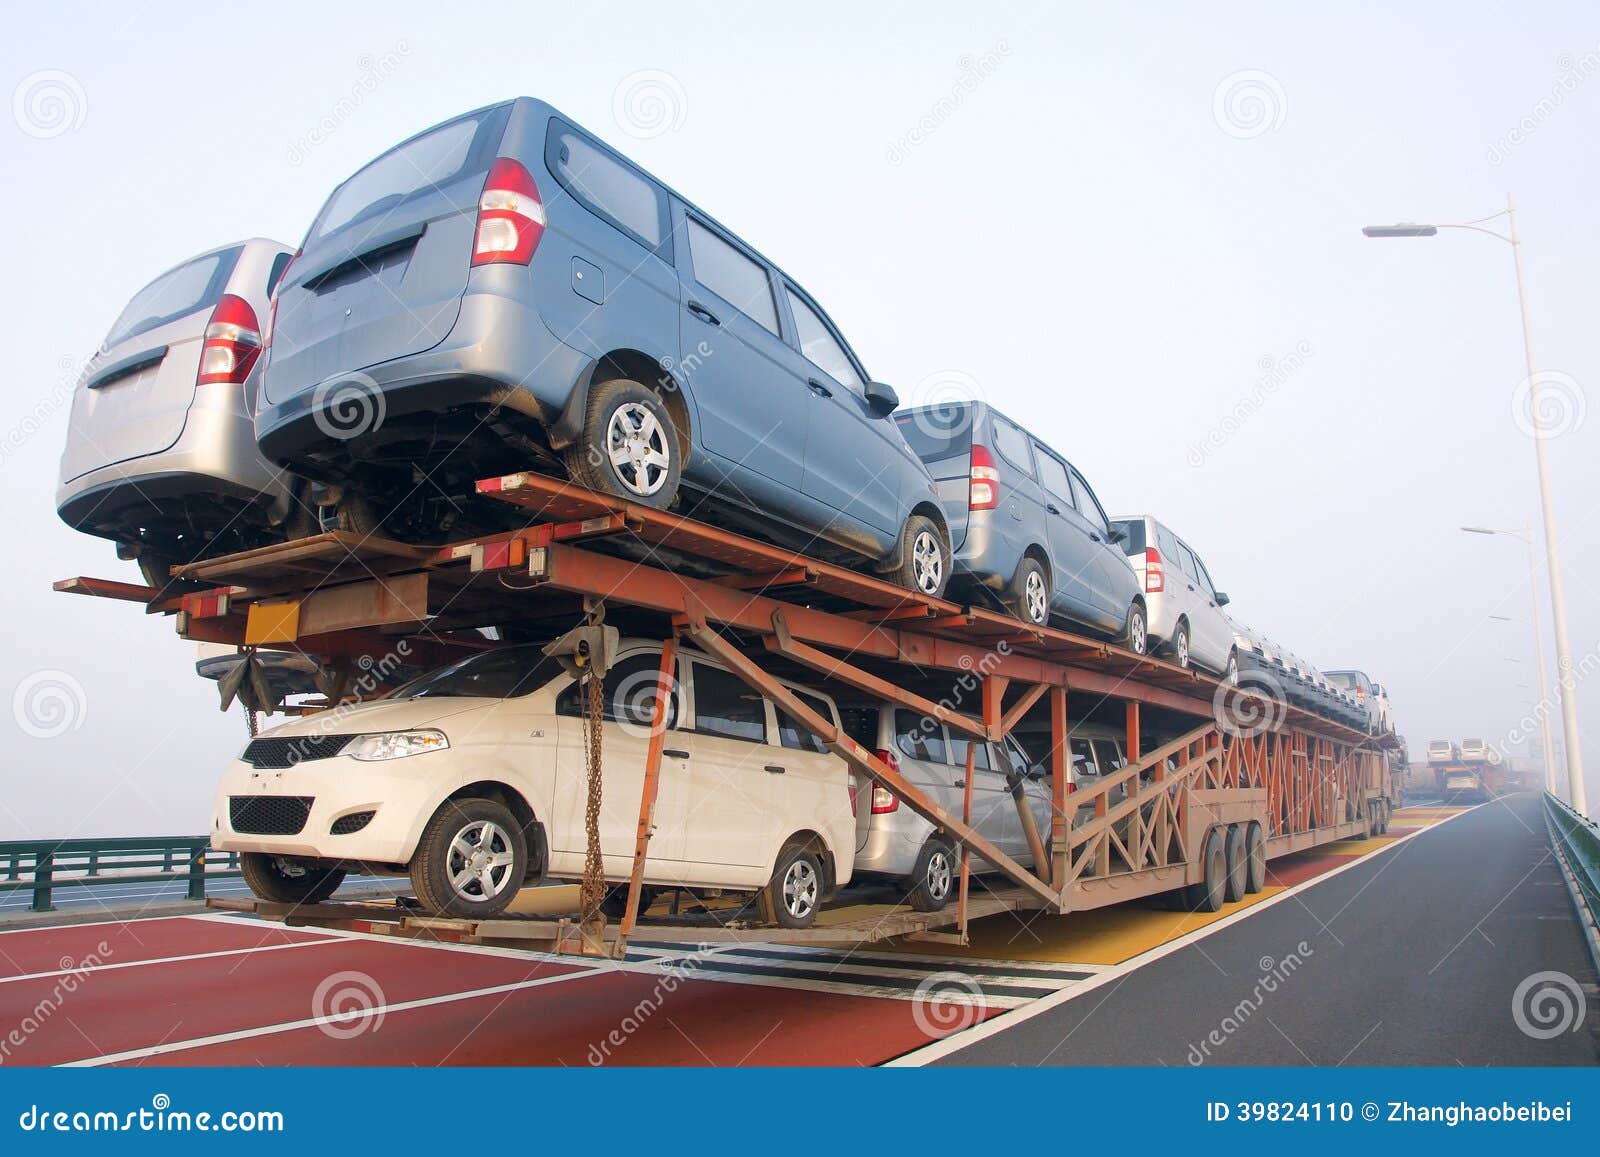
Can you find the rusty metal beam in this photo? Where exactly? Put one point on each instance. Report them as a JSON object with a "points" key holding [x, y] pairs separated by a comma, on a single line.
{"points": [[665, 691]]}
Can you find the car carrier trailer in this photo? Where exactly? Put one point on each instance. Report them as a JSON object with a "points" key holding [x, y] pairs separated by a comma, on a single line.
{"points": [[1246, 779]]}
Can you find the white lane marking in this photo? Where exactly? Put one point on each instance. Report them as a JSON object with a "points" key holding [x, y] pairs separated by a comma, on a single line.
{"points": [[314, 1021], [162, 960], [95, 923], [996, 1025]]}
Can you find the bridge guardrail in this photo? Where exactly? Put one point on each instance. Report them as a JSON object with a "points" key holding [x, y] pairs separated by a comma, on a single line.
{"points": [[42, 866], [1580, 840]]}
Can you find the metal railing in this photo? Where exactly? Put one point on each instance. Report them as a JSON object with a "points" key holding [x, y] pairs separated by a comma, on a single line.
{"points": [[1580, 840], [42, 866]]}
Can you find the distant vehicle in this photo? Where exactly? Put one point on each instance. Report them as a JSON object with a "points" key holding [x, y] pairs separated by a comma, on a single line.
{"points": [[1474, 751], [1464, 784], [1443, 751], [896, 844], [1249, 653], [471, 778], [1385, 710], [1025, 525], [1185, 607], [504, 292], [161, 457], [1359, 684]]}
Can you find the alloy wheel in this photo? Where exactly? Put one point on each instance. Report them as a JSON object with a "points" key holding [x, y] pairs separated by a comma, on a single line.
{"points": [[636, 443], [800, 889], [927, 562], [480, 861], [1036, 598]]}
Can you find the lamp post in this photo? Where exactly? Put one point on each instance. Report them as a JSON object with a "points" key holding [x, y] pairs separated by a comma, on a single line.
{"points": [[1558, 599]]}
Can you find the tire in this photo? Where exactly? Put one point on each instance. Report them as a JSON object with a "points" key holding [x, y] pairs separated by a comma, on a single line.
{"points": [[1230, 673], [793, 896], [1029, 599], [155, 570], [1136, 634], [1180, 646], [352, 514], [450, 875], [932, 882], [1255, 843], [924, 557], [1209, 894], [281, 880], [630, 447], [1238, 880], [615, 905]]}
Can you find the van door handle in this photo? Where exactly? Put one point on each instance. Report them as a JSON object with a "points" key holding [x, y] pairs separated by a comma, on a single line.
{"points": [[961, 783], [819, 389], [1052, 508], [1097, 538], [703, 313], [676, 753], [775, 768]]}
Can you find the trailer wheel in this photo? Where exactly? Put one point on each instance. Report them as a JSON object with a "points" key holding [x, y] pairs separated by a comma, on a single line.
{"points": [[615, 905], [1238, 865], [471, 859], [1209, 893], [932, 881], [794, 894], [629, 446], [1255, 859], [283, 881]]}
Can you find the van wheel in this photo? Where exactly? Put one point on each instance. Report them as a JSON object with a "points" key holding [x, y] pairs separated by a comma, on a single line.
{"points": [[924, 557], [1208, 894], [1238, 864], [1230, 673], [629, 446], [1030, 593], [1180, 645], [794, 894], [1255, 854], [471, 859], [1136, 635], [932, 881], [284, 881], [155, 570]]}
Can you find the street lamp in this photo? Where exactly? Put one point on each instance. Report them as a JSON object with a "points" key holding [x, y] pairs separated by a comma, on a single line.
{"points": [[1538, 650], [1558, 599]]}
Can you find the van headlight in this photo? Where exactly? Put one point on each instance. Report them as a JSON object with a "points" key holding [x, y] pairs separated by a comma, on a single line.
{"points": [[395, 744]]}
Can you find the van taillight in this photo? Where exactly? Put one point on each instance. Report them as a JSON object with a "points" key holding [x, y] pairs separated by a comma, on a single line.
{"points": [[984, 490], [510, 216], [884, 800], [232, 342], [1155, 579]]}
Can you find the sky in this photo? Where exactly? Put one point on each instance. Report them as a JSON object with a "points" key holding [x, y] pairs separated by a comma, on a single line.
{"points": [[1134, 228]]}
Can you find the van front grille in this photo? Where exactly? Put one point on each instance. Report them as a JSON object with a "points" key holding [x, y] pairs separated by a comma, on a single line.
{"points": [[269, 815]]}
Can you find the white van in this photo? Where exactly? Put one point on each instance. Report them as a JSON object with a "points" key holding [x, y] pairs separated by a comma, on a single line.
{"points": [[1183, 605], [472, 779]]}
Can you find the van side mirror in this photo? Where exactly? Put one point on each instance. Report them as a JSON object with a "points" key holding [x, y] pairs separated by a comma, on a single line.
{"points": [[1222, 599], [882, 398]]}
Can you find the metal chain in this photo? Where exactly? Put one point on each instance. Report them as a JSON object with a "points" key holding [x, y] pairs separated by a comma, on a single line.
{"points": [[593, 892], [250, 722]]}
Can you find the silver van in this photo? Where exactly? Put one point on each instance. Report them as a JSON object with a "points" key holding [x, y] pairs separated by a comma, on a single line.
{"points": [[161, 453], [1187, 621]]}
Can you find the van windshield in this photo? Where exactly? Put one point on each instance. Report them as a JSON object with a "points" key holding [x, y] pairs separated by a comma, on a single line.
{"points": [[939, 431], [497, 674], [193, 286], [1133, 545]]}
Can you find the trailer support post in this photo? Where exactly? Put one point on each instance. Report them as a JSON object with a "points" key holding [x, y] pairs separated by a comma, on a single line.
{"points": [[666, 689], [1060, 822]]}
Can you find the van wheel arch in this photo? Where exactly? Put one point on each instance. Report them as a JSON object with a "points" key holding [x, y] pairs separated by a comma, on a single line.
{"points": [[929, 510], [637, 366], [818, 844], [512, 800]]}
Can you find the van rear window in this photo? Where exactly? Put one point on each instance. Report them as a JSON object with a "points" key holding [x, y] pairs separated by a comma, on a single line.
{"points": [[1133, 545], [195, 285], [939, 431]]}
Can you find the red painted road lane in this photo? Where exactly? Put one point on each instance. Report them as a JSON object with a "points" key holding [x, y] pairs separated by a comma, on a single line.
{"points": [[116, 1010], [33, 950], [572, 1022], [1288, 871]]}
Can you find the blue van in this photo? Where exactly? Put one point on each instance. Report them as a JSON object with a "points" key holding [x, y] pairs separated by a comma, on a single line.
{"points": [[504, 292]]}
